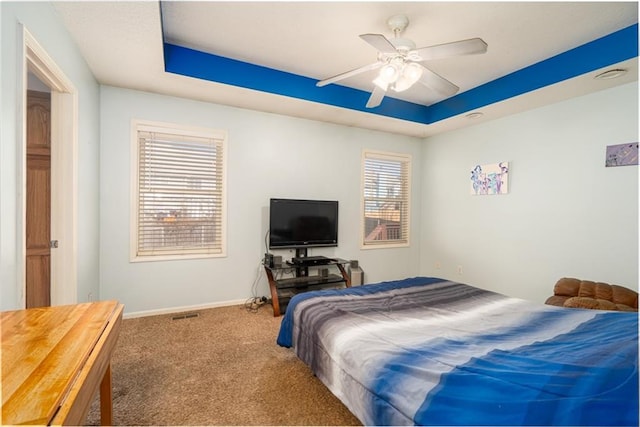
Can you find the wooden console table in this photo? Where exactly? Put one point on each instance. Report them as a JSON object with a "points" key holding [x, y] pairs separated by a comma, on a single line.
{"points": [[53, 361]]}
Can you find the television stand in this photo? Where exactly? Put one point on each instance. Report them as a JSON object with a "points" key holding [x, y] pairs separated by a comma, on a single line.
{"points": [[284, 288]]}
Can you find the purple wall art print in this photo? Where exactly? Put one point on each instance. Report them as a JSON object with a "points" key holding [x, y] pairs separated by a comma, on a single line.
{"points": [[490, 179], [622, 154]]}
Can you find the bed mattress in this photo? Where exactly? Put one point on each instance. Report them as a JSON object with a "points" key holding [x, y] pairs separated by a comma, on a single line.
{"points": [[427, 351]]}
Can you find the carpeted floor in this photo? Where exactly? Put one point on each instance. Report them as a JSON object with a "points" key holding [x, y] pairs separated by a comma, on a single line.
{"points": [[220, 368]]}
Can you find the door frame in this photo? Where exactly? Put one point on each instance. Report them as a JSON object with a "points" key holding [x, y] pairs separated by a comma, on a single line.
{"points": [[64, 166]]}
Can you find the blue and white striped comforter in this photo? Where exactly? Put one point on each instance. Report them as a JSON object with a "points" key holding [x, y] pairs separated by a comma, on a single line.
{"points": [[431, 352]]}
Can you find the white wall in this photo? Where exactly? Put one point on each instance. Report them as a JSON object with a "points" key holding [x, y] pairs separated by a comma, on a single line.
{"points": [[43, 23], [268, 156], [566, 214]]}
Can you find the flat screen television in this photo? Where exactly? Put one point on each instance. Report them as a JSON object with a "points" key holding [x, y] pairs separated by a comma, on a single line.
{"points": [[302, 223]]}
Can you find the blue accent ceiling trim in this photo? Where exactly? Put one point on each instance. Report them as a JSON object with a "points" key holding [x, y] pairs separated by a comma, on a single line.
{"points": [[616, 47], [193, 63]]}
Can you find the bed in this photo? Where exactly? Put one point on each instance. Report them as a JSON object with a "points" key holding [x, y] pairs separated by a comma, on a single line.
{"points": [[427, 351]]}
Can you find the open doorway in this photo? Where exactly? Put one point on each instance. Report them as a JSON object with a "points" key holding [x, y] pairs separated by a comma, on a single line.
{"points": [[38, 195], [48, 181]]}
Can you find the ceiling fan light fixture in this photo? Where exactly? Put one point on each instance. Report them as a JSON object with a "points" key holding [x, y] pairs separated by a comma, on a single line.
{"points": [[399, 62], [411, 73], [389, 73]]}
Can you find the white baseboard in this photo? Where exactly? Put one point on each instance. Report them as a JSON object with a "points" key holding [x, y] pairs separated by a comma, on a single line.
{"points": [[172, 310]]}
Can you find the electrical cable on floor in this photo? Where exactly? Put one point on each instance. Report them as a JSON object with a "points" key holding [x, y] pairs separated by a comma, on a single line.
{"points": [[255, 302]]}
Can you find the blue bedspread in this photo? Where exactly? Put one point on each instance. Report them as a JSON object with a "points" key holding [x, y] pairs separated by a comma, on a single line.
{"points": [[426, 351]]}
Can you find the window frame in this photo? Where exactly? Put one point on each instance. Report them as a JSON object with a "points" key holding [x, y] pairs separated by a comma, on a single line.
{"points": [[389, 156], [138, 125]]}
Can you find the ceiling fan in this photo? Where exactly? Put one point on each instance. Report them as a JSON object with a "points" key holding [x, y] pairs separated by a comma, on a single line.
{"points": [[401, 64]]}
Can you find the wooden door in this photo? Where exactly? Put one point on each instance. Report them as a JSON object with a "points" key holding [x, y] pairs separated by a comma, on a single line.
{"points": [[38, 199]]}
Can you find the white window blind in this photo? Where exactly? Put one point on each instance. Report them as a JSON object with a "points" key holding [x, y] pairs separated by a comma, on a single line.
{"points": [[386, 183], [180, 193]]}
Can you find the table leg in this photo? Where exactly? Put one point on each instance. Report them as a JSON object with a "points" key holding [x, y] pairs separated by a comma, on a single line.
{"points": [[275, 302], [106, 403], [345, 276]]}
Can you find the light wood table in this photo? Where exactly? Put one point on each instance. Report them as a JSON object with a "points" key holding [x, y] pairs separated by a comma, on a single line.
{"points": [[54, 359]]}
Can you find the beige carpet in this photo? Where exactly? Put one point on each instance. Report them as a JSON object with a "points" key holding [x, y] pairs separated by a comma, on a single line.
{"points": [[220, 368]]}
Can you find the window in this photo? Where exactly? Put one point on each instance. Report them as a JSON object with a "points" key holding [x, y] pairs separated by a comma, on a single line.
{"points": [[385, 199], [179, 192]]}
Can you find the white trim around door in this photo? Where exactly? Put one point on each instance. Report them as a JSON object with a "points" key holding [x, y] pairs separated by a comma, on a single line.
{"points": [[64, 166]]}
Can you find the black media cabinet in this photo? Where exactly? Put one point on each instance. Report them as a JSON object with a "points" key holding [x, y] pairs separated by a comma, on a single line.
{"points": [[298, 280]]}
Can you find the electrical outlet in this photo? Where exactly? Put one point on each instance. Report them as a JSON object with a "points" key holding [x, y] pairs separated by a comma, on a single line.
{"points": [[459, 270], [90, 297], [437, 265]]}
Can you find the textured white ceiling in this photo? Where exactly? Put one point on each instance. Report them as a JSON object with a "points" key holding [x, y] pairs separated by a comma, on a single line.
{"points": [[122, 43]]}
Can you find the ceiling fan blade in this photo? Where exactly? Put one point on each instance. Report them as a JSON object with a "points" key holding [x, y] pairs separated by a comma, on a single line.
{"points": [[380, 42], [376, 97], [437, 83], [462, 47], [349, 73]]}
